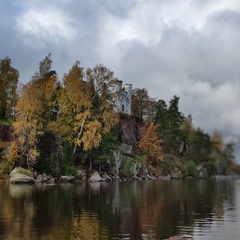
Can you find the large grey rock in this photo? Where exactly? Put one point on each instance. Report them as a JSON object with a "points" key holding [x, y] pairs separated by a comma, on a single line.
{"points": [[20, 175], [125, 149], [95, 177], [81, 174], [51, 180], [66, 179], [176, 174], [40, 179]]}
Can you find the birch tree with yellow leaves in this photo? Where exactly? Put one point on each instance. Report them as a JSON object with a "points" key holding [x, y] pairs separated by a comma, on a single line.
{"points": [[33, 110], [28, 124], [85, 110]]}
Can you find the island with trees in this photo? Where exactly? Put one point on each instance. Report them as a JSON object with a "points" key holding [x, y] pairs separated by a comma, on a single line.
{"points": [[72, 126]]}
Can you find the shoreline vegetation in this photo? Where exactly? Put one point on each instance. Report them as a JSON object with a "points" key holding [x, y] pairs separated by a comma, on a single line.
{"points": [[58, 127]]}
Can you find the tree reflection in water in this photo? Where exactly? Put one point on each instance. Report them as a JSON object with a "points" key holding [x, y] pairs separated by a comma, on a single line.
{"points": [[154, 209]]}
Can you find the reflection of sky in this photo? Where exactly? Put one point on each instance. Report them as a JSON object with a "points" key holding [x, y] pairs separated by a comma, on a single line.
{"points": [[221, 228]]}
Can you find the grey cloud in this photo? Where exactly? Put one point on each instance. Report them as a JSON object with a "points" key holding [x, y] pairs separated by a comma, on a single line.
{"points": [[201, 65]]}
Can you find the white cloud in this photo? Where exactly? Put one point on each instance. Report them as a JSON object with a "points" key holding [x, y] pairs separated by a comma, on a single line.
{"points": [[43, 26]]}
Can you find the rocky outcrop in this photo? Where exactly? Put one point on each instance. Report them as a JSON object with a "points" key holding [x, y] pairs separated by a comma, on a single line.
{"points": [[95, 177], [21, 176], [66, 179], [106, 177], [176, 174], [81, 174], [130, 126], [6, 134], [125, 149]]}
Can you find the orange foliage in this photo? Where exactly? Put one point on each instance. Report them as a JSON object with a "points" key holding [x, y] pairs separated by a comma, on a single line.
{"points": [[150, 144]]}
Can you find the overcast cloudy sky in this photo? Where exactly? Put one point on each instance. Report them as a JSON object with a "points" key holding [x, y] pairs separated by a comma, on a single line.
{"points": [[186, 48]]}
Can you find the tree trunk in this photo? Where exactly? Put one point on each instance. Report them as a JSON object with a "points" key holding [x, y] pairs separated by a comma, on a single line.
{"points": [[79, 135], [90, 166]]}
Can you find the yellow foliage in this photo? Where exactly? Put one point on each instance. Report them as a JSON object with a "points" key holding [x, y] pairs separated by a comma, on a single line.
{"points": [[110, 118], [32, 156], [151, 144], [92, 136], [13, 154], [216, 139], [85, 111], [50, 88]]}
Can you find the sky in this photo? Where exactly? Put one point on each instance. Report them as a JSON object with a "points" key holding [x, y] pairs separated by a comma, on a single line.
{"points": [[186, 48]]}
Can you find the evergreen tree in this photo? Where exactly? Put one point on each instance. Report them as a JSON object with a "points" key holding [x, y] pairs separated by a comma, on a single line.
{"points": [[169, 121], [8, 88]]}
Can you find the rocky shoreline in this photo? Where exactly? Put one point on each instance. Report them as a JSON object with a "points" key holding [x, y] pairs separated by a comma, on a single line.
{"points": [[23, 176]]}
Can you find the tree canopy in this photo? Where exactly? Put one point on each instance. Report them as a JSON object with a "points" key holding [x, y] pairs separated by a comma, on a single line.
{"points": [[59, 124]]}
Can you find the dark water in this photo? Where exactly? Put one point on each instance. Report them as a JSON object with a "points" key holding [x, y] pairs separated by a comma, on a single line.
{"points": [[158, 209]]}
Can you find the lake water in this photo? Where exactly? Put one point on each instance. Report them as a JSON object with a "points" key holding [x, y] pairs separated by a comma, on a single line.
{"points": [[157, 209]]}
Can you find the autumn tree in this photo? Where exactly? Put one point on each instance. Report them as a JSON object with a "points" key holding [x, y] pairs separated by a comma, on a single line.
{"points": [[34, 110], [13, 154], [28, 125], [217, 141], [85, 110], [222, 153], [150, 144], [103, 155], [141, 103], [8, 88]]}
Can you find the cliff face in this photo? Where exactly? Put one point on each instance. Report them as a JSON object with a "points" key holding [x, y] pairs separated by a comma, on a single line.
{"points": [[130, 128], [6, 134]]}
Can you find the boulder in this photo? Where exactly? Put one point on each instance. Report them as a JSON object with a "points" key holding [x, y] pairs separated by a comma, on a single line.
{"points": [[66, 179], [149, 177], [47, 177], [125, 149], [21, 176], [81, 174], [115, 176], [40, 179], [106, 177], [176, 174], [51, 180], [95, 177]]}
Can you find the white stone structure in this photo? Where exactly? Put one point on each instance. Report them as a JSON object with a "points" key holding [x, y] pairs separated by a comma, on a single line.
{"points": [[121, 96]]}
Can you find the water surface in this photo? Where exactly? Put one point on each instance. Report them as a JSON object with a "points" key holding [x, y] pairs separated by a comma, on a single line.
{"points": [[158, 209]]}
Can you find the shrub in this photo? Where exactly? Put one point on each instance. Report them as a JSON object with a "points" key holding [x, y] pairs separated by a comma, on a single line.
{"points": [[190, 168], [70, 170], [5, 167], [128, 166]]}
